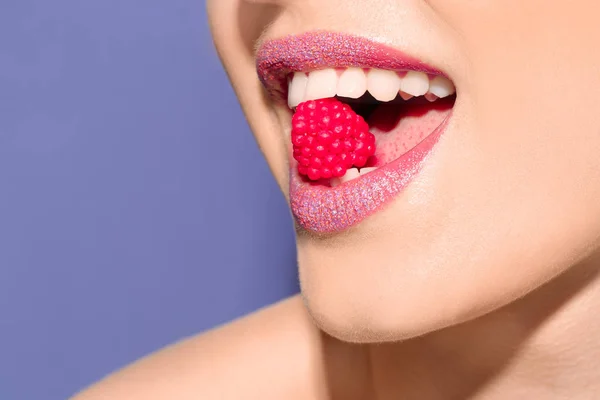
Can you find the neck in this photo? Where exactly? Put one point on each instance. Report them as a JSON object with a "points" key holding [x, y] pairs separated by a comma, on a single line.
{"points": [[544, 346]]}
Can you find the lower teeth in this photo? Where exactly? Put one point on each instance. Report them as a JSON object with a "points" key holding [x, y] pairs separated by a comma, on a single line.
{"points": [[351, 174]]}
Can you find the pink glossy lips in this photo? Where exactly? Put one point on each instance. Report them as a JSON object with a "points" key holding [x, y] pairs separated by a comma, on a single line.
{"points": [[329, 209]]}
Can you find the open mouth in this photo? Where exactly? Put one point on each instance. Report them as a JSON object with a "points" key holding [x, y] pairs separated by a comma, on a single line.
{"points": [[401, 108], [406, 103]]}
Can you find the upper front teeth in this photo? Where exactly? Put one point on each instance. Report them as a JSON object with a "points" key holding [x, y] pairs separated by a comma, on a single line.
{"points": [[353, 82], [384, 85], [321, 84]]}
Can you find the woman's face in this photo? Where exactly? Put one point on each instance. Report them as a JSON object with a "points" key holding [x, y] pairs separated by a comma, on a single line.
{"points": [[507, 197]]}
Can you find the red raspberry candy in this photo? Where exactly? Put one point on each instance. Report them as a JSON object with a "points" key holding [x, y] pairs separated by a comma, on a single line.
{"points": [[328, 138]]}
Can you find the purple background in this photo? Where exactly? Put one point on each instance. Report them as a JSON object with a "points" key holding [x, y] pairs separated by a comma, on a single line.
{"points": [[135, 207]]}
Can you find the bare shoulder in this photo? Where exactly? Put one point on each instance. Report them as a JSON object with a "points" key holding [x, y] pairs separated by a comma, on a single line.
{"points": [[274, 353]]}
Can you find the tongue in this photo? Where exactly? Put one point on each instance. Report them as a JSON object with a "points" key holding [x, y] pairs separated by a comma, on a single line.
{"points": [[399, 128]]}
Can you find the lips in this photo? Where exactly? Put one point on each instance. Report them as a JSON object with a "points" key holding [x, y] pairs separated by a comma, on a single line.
{"points": [[286, 66], [277, 59]]}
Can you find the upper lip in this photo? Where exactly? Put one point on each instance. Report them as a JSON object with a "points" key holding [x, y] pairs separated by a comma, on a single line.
{"points": [[276, 59]]}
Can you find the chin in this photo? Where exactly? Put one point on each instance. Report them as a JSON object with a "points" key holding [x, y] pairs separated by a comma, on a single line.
{"points": [[411, 270]]}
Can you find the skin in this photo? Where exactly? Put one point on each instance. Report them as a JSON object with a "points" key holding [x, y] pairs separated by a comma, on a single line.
{"points": [[480, 280]]}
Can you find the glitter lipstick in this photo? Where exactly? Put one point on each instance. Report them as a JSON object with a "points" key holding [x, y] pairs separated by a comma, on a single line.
{"points": [[277, 59], [324, 209]]}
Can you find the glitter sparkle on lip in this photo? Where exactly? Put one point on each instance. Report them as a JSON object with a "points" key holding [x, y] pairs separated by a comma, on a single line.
{"points": [[323, 209], [326, 210], [277, 59]]}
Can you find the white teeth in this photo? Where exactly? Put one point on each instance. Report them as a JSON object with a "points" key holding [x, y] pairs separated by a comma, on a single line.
{"points": [[415, 83], [321, 84], [441, 87], [297, 89], [383, 85], [352, 173], [352, 83], [364, 171]]}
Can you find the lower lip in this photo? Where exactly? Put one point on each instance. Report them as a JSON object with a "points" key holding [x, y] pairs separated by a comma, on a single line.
{"points": [[322, 209]]}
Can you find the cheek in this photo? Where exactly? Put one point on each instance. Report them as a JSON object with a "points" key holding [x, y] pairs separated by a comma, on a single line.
{"points": [[235, 38], [522, 46], [518, 207], [531, 84], [273, 138]]}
